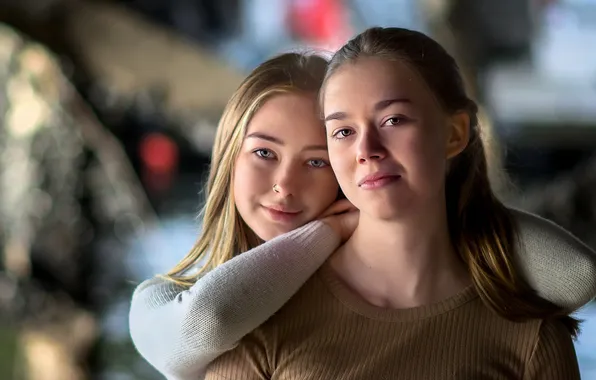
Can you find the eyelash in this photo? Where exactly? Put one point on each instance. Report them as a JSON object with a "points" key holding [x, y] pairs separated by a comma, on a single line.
{"points": [[399, 121], [325, 163], [336, 134], [259, 154]]}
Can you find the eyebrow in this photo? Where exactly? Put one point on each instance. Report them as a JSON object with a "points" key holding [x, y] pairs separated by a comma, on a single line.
{"points": [[275, 140], [336, 116], [263, 136], [386, 103], [378, 107]]}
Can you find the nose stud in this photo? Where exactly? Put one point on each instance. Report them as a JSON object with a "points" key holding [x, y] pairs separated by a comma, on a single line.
{"points": [[276, 188]]}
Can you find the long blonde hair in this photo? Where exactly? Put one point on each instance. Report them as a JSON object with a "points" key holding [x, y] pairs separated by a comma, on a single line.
{"points": [[224, 233], [481, 227]]}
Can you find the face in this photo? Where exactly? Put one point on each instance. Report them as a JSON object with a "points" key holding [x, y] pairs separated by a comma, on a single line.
{"points": [[282, 176], [389, 139]]}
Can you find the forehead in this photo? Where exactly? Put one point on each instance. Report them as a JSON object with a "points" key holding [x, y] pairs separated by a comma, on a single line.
{"points": [[370, 79], [292, 117]]}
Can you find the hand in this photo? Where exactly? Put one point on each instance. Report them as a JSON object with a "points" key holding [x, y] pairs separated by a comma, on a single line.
{"points": [[342, 217]]}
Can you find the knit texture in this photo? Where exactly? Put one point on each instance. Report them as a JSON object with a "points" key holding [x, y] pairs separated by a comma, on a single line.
{"points": [[328, 332], [181, 331], [556, 264]]}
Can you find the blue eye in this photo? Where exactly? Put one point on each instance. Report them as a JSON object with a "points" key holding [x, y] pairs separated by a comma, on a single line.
{"points": [[318, 163], [265, 154]]}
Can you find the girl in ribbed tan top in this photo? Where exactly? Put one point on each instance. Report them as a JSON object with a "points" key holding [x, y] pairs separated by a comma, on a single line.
{"points": [[426, 287]]}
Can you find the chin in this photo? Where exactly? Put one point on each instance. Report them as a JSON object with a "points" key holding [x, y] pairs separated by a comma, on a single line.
{"points": [[267, 234], [390, 211]]}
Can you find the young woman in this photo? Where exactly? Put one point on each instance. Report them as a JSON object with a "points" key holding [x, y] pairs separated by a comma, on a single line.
{"points": [[270, 175], [426, 287]]}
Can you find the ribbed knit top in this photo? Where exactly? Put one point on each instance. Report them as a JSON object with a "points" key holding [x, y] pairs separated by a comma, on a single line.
{"points": [[326, 331]]}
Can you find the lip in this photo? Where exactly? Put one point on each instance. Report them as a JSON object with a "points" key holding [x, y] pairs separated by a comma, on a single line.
{"points": [[281, 214], [378, 180]]}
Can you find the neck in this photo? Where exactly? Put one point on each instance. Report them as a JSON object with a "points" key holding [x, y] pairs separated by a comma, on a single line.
{"points": [[401, 264]]}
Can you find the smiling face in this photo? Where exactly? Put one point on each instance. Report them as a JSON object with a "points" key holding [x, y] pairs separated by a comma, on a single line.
{"points": [[285, 146], [389, 139]]}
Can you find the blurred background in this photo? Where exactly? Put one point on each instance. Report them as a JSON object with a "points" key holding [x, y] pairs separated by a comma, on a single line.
{"points": [[108, 110]]}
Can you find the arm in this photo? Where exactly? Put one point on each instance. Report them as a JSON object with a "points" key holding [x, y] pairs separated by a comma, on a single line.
{"points": [[555, 263], [181, 331], [553, 357]]}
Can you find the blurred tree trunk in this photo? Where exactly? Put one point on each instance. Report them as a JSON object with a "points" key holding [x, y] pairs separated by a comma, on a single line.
{"points": [[64, 180]]}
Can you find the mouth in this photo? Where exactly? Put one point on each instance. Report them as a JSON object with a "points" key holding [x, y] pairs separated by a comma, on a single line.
{"points": [[378, 180], [282, 214]]}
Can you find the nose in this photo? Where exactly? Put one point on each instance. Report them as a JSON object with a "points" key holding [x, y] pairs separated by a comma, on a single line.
{"points": [[370, 146], [288, 181]]}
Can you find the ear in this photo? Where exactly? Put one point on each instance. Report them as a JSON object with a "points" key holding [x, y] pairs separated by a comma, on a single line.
{"points": [[458, 134]]}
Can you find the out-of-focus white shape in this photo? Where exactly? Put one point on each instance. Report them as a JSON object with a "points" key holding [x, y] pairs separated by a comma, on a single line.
{"points": [[518, 94], [159, 248], [566, 49], [558, 88]]}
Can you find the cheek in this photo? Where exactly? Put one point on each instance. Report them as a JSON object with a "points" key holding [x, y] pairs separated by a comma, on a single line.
{"points": [[322, 192], [343, 166], [247, 183], [428, 159]]}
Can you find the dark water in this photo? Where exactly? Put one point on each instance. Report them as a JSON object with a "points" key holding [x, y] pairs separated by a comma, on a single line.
{"points": [[160, 249]]}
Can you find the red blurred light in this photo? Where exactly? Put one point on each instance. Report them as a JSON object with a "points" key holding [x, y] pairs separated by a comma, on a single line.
{"points": [[159, 153]]}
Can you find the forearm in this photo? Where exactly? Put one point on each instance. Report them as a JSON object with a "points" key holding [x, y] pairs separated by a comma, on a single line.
{"points": [[181, 331], [555, 263]]}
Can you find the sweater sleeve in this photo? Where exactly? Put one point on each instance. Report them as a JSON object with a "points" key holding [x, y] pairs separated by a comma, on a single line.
{"points": [[553, 357], [556, 264], [180, 331]]}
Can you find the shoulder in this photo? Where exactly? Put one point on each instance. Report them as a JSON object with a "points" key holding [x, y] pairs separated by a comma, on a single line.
{"points": [[498, 329], [544, 347], [553, 354], [553, 335]]}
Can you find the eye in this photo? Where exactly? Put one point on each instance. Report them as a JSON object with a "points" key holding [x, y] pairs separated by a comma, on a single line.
{"points": [[342, 133], [318, 163], [265, 154], [395, 120]]}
